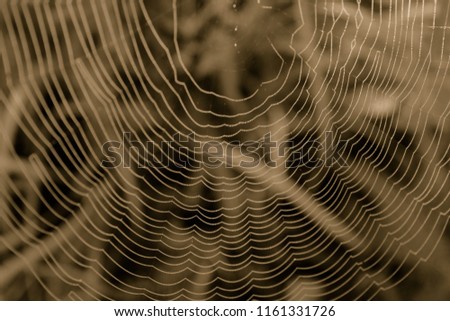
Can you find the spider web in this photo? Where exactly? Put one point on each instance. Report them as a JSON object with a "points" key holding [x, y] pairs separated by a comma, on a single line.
{"points": [[351, 204]]}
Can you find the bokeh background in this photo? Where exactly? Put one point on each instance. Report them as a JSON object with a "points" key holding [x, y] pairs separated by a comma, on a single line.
{"points": [[368, 79]]}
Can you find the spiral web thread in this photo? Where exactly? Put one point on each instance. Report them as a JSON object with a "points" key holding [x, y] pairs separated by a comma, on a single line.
{"points": [[367, 79]]}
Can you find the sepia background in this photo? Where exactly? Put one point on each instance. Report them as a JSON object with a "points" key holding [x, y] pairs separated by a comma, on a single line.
{"points": [[357, 207]]}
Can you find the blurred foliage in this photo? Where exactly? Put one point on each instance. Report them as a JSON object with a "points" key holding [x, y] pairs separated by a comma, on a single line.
{"points": [[373, 73]]}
